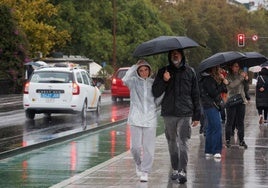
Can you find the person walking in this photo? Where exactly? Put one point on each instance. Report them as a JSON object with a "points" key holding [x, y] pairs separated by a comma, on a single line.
{"points": [[247, 96], [142, 117], [236, 112], [180, 108], [262, 95], [212, 84]]}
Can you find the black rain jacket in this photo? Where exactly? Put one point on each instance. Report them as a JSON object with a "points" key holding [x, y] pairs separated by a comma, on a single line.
{"points": [[210, 91], [181, 98]]}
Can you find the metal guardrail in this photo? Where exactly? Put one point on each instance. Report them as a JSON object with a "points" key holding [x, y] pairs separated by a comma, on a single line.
{"points": [[10, 102]]}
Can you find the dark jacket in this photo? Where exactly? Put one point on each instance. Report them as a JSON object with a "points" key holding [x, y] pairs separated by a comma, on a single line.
{"points": [[210, 91], [262, 97], [181, 97]]}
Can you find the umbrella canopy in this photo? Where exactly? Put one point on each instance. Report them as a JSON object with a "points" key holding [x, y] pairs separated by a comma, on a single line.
{"points": [[163, 44], [258, 68], [265, 64], [252, 59], [254, 69], [37, 64], [94, 69], [221, 58]]}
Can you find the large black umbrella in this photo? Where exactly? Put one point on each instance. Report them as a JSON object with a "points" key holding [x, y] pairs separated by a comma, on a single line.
{"points": [[252, 59], [221, 58], [163, 44]]}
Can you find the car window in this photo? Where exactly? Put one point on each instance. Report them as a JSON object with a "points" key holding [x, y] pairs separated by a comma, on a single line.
{"points": [[85, 78], [51, 77], [121, 73], [90, 79], [79, 78]]}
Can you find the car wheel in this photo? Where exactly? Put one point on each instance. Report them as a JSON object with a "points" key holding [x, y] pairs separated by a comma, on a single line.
{"points": [[114, 99], [84, 116], [29, 114]]}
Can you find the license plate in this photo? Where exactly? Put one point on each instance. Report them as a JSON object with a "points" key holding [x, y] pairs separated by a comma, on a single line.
{"points": [[50, 95]]}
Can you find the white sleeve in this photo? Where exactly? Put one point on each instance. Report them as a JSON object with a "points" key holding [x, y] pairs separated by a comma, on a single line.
{"points": [[131, 73]]}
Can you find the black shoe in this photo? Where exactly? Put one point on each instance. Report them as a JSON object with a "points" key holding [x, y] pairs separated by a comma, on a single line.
{"points": [[243, 144], [182, 177], [174, 175], [228, 145]]}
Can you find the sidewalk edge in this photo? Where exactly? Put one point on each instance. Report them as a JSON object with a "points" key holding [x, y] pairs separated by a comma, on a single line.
{"points": [[89, 171]]}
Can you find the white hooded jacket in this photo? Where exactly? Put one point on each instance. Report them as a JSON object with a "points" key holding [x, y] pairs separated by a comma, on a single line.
{"points": [[143, 108]]}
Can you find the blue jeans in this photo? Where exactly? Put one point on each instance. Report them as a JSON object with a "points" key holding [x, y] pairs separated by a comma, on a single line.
{"points": [[213, 142]]}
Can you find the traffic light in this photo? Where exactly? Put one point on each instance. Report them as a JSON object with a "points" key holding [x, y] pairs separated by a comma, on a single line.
{"points": [[241, 40]]}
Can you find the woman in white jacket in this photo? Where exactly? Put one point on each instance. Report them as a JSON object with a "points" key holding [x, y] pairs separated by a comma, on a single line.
{"points": [[142, 117]]}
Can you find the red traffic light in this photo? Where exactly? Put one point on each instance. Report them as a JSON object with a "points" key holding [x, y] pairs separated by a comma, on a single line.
{"points": [[241, 40]]}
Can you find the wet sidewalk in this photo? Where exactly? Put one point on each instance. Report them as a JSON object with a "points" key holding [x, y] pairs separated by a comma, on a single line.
{"points": [[237, 167]]}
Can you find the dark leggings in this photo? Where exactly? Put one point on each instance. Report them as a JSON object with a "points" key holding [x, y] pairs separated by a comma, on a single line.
{"points": [[264, 110], [235, 117]]}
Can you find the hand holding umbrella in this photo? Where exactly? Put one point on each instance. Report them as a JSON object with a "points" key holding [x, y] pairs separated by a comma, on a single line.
{"points": [[166, 76]]}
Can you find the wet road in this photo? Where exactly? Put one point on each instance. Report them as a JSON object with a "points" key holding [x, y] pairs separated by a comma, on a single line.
{"points": [[18, 132], [47, 166]]}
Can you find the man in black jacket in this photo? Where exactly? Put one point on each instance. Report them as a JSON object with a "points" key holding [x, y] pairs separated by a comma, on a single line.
{"points": [[180, 108]]}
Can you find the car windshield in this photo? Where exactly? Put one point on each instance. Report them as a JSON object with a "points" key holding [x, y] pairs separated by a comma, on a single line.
{"points": [[121, 73], [51, 77]]}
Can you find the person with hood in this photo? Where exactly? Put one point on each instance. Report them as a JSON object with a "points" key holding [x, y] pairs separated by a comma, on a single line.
{"points": [[180, 108], [262, 95], [212, 84], [142, 117]]}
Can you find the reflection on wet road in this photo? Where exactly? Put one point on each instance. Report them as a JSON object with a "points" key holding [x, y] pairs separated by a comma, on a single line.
{"points": [[18, 132], [50, 165]]}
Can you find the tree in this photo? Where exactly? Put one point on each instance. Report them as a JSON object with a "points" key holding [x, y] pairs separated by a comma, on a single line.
{"points": [[13, 50], [90, 24], [33, 19]]}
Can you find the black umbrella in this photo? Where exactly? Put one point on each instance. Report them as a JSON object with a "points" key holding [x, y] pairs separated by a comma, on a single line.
{"points": [[265, 64], [221, 58], [252, 59], [163, 44]]}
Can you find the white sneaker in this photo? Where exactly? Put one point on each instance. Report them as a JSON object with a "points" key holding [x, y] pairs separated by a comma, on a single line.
{"points": [[144, 177], [174, 175], [217, 155], [138, 171], [208, 155]]}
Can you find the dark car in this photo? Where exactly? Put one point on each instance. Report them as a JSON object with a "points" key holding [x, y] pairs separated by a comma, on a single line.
{"points": [[118, 89]]}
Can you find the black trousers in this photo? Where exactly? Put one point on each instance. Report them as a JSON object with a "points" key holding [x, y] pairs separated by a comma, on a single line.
{"points": [[235, 117], [264, 111]]}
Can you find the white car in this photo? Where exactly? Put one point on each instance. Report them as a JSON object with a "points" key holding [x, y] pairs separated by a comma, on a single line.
{"points": [[60, 90]]}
